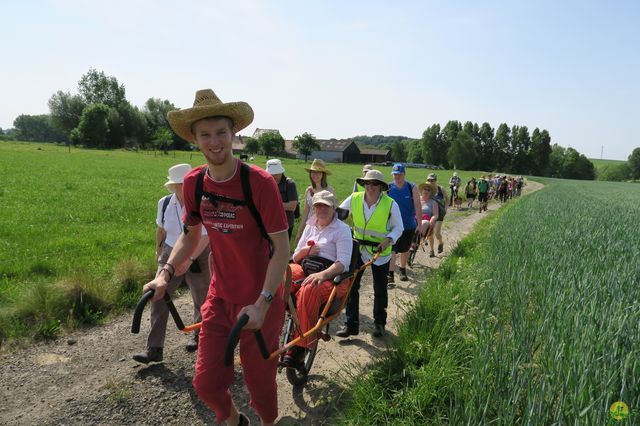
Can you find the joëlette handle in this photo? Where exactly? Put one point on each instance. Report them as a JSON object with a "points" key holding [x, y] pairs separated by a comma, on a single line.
{"points": [[234, 337], [137, 314]]}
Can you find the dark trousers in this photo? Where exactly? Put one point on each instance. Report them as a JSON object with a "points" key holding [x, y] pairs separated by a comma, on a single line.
{"points": [[380, 299]]}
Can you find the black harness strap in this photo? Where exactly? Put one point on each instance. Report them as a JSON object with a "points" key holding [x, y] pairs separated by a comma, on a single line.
{"points": [[248, 196], [248, 200]]}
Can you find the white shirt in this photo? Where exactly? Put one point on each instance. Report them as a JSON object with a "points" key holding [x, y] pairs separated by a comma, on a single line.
{"points": [[394, 224], [172, 220], [334, 241]]}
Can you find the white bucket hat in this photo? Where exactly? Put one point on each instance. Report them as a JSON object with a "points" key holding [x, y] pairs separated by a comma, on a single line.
{"points": [[177, 174], [274, 167]]}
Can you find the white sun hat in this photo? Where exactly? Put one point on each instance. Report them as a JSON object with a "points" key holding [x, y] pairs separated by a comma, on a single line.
{"points": [[177, 174], [274, 167]]}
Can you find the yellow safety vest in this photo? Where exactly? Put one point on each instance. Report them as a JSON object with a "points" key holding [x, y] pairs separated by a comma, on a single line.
{"points": [[375, 229]]}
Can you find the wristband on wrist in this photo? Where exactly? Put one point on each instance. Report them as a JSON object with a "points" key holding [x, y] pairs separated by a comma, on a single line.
{"points": [[169, 273]]}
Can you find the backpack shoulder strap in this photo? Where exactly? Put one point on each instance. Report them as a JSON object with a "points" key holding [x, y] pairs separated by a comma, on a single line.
{"points": [[199, 191], [165, 203], [248, 196]]}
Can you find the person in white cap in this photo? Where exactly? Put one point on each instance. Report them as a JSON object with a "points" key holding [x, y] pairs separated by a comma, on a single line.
{"points": [[288, 191], [169, 228]]}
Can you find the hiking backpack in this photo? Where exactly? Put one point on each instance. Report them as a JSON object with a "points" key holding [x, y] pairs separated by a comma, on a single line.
{"points": [[248, 200]]}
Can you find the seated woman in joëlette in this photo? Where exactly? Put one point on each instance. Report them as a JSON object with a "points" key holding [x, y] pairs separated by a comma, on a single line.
{"points": [[323, 252]]}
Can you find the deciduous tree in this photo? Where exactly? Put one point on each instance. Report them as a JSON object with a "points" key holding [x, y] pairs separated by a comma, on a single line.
{"points": [[462, 153], [306, 143], [431, 143], [486, 148], [66, 110], [93, 130], [398, 152], [37, 128], [271, 143], [251, 145], [634, 163], [95, 87], [414, 152], [503, 147]]}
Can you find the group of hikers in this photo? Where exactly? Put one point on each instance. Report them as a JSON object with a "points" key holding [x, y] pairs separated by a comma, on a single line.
{"points": [[500, 187], [226, 229]]}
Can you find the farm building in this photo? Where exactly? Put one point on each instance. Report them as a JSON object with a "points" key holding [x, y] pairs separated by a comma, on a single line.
{"points": [[331, 150], [373, 155]]}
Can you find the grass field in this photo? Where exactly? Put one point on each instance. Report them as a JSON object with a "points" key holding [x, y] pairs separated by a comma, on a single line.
{"points": [[77, 229], [601, 163], [534, 320]]}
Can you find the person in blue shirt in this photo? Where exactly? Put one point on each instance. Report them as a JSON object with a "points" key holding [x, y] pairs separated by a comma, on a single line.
{"points": [[406, 194]]}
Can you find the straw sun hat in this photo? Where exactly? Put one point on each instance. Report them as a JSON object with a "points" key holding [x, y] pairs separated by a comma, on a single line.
{"points": [[374, 175], [318, 166], [430, 185], [207, 104]]}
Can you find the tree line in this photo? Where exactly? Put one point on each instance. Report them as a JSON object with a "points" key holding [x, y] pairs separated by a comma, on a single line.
{"points": [[100, 116], [513, 150]]}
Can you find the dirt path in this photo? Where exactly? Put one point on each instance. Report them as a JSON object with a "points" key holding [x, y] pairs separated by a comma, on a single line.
{"points": [[88, 377]]}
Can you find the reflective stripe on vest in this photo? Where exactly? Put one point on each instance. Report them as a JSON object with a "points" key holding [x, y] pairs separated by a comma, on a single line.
{"points": [[375, 229]]}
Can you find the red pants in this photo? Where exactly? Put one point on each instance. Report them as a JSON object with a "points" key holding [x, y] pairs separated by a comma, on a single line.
{"points": [[212, 378], [309, 298]]}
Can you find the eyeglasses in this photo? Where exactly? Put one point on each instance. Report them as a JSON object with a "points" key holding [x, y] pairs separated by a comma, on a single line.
{"points": [[372, 182]]}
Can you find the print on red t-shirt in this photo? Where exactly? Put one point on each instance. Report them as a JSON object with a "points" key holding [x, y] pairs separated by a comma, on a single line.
{"points": [[240, 253]]}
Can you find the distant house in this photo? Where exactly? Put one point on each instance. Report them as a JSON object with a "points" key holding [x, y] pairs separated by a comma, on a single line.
{"points": [[335, 151], [237, 144], [373, 155], [289, 150], [258, 132]]}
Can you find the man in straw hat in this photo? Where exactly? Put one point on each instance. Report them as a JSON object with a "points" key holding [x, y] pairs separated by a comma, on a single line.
{"points": [[377, 224], [198, 276], [245, 279]]}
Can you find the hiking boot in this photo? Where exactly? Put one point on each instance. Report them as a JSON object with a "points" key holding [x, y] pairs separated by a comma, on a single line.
{"points": [[150, 355], [403, 274], [347, 331], [391, 277], [379, 330], [440, 247], [432, 254], [192, 344]]}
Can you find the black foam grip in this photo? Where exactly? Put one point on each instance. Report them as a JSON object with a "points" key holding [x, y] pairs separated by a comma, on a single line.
{"points": [[137, 314]]}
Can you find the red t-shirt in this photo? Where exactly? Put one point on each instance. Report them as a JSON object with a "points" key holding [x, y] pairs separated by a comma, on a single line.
{"points": [[240, 253]]}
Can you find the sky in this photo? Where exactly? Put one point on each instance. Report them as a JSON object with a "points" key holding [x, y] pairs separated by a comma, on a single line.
{"points": [[338, 69]]}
